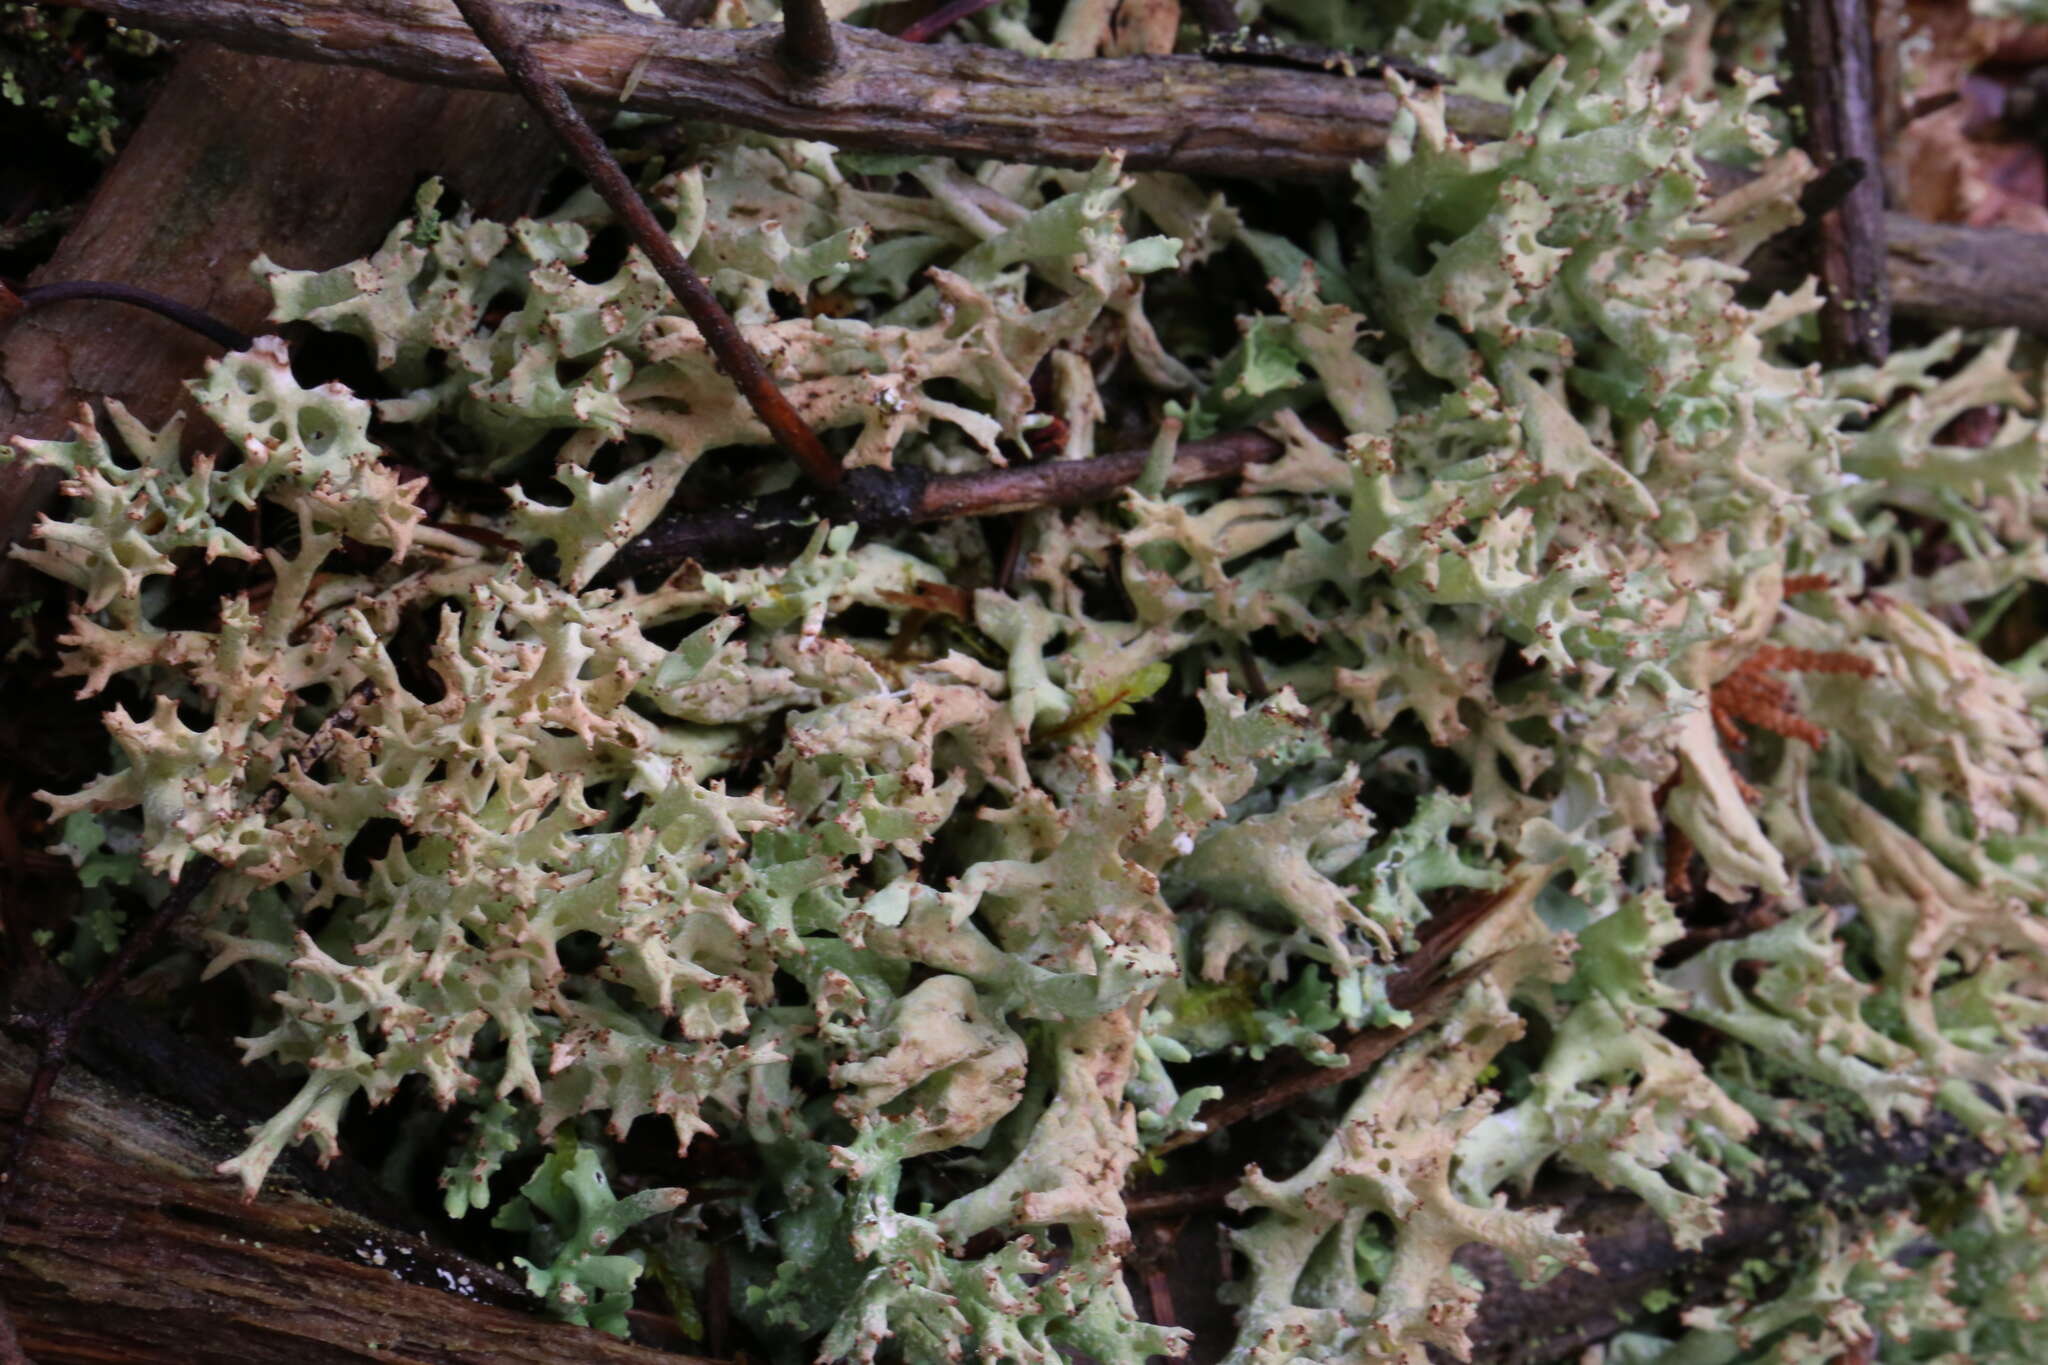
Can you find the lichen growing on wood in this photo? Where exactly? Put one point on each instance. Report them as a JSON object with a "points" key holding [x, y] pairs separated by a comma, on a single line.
{"points": [[938, 890]]}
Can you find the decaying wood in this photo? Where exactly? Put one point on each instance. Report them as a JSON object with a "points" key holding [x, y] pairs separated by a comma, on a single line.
{"points": [[1767, 1221], [1168, 113], [126, 1245], [238, 156], [1859, 1178]]}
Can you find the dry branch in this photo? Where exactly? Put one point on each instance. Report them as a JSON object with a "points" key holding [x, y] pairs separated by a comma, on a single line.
{"points": [[886, 500], [883, 94], [1164, 113]]}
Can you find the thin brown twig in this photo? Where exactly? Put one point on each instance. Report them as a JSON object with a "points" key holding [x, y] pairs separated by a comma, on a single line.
{"points": [[941, 19], [738, 359], [1931, 104], [1175, 1200], [59, 1034], [1360, 1052], [13, 303]]}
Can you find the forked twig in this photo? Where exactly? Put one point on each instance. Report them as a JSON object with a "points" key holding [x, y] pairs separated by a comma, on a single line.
{"points": [[741, 363]]}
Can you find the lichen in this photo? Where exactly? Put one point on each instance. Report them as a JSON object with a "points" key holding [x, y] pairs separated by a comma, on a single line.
{"points": [[933, 896]]}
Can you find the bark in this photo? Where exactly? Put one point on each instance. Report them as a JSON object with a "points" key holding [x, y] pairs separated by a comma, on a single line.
{"points": [[882, 501], [1967, 277], [126, 1245], [1168, 113], [239, 155], [1829, 43]]}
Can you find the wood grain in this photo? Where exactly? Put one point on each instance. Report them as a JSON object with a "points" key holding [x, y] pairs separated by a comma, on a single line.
{"points": [[882, 94], [126, 1245]]}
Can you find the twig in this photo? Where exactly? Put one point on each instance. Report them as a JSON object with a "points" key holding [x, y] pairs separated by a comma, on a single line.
{"points": [[807, 45], [60, 1033], [1176, 1200], [1829, 42], [1931, 104], [1361, 1051], [1826, 191], [882, 501], [1070, 483], [15, 302], [941, 19], [738, 359]]}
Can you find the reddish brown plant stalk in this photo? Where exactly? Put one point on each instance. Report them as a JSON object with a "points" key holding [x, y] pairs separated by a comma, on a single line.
{"points": [[941, 19], [741, 363]]}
